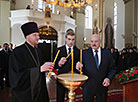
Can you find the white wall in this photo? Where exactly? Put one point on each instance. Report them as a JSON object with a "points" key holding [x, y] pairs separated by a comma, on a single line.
{"points": [[119, 41], [62, 10], [17, 35], [87, 34], [108, 12], [128, 22], [22, 4], [80, 29], [4, 22]]}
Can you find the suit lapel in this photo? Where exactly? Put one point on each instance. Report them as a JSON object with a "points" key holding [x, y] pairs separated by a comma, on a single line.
{"points": [[92, 56], [92, 60], [65, 51], [101, 58]]}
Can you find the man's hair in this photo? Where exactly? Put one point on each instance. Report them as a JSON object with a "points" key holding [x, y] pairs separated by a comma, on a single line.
{"points": [[70, 33], [96, 35], [5, 44]]}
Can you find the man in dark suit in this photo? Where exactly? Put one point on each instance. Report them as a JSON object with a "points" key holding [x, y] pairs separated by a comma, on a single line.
{"points": [[64, 65], [99, 66], [27, 68], [5, 53]]}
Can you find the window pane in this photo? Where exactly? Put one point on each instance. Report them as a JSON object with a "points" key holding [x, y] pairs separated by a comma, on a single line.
{"points": [[88, 17], [115, 28], [115, 4], [115, 19], [40, 5], [115, 11]]}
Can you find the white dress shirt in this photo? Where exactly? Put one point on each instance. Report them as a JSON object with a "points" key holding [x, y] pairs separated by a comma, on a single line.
{"points": [[67, 48], [99, 54]]}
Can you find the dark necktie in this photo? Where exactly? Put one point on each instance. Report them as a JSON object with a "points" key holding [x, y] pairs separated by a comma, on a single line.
{"points": [[96, 59], [69, 51]]}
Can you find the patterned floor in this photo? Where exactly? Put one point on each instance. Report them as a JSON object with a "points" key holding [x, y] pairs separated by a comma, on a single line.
{"points": [[114, 94]]}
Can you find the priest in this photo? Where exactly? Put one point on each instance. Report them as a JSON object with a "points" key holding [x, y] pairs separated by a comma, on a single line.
{"points": [[27, 69]]}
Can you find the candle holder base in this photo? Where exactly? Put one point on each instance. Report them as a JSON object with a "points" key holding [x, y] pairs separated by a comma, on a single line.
{"points": [[71, 82]]}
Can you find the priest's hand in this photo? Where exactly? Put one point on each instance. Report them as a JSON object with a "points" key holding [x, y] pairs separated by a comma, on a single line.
{"points": [[79, 65], [47, 66], [106, 82], [62, 61]]}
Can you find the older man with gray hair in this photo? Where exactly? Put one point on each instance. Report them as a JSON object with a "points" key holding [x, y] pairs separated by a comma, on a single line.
{"points": [[99, 66]]}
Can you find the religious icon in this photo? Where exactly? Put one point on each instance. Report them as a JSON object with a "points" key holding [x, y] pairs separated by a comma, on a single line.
{"points": [[109, 34], [47, 12]]}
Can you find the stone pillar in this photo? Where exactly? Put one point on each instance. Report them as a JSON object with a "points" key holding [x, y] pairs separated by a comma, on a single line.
{"points": [[129, 23], [80, 29], [134, 29], [61, 39], [4, 22], [101, 20]]}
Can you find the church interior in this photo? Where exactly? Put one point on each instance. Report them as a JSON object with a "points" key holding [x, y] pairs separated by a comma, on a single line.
{"points": [[116, 21]]}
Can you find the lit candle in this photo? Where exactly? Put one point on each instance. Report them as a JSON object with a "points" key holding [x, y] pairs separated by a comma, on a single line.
{"points": [[72, 64], [81, 61], [54, 62]]}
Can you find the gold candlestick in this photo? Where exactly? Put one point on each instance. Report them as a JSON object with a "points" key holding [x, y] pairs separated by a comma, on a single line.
{"points": [[71, 83]]}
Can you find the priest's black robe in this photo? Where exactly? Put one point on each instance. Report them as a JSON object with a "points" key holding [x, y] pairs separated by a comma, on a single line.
{"points": [[28, 84]]}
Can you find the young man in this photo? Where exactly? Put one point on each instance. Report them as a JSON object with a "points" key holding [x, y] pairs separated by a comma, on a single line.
{"points": [[98, 65], [26, 69], [64, 65]]}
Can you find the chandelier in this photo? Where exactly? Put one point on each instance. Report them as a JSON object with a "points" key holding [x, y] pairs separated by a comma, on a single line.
{"points": [[69, 3]]}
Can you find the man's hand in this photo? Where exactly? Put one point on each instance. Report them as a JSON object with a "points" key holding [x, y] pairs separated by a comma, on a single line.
{"points": [[62, 61], [106, 82], [79, 65], [47, 66]]}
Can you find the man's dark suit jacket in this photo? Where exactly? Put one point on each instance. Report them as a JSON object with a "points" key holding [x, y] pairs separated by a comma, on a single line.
{"points": [[96, 76], [65, 69]]}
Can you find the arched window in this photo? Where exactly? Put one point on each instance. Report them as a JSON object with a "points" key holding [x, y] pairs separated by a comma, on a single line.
{"points": [[115, 17], [41, 5], [88, 17]]}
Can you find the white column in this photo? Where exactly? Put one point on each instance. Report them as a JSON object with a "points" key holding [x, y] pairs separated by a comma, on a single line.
{"points": [[4, 22], [120, 34], [80, 29], [61, 39], [17, 36]]}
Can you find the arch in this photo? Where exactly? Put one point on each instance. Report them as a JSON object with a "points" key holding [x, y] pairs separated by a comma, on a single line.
{"points": [[88, 17], [48, 33]]}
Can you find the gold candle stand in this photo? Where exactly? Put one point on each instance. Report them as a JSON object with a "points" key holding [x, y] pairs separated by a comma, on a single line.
{"points": [[71, 83]]}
